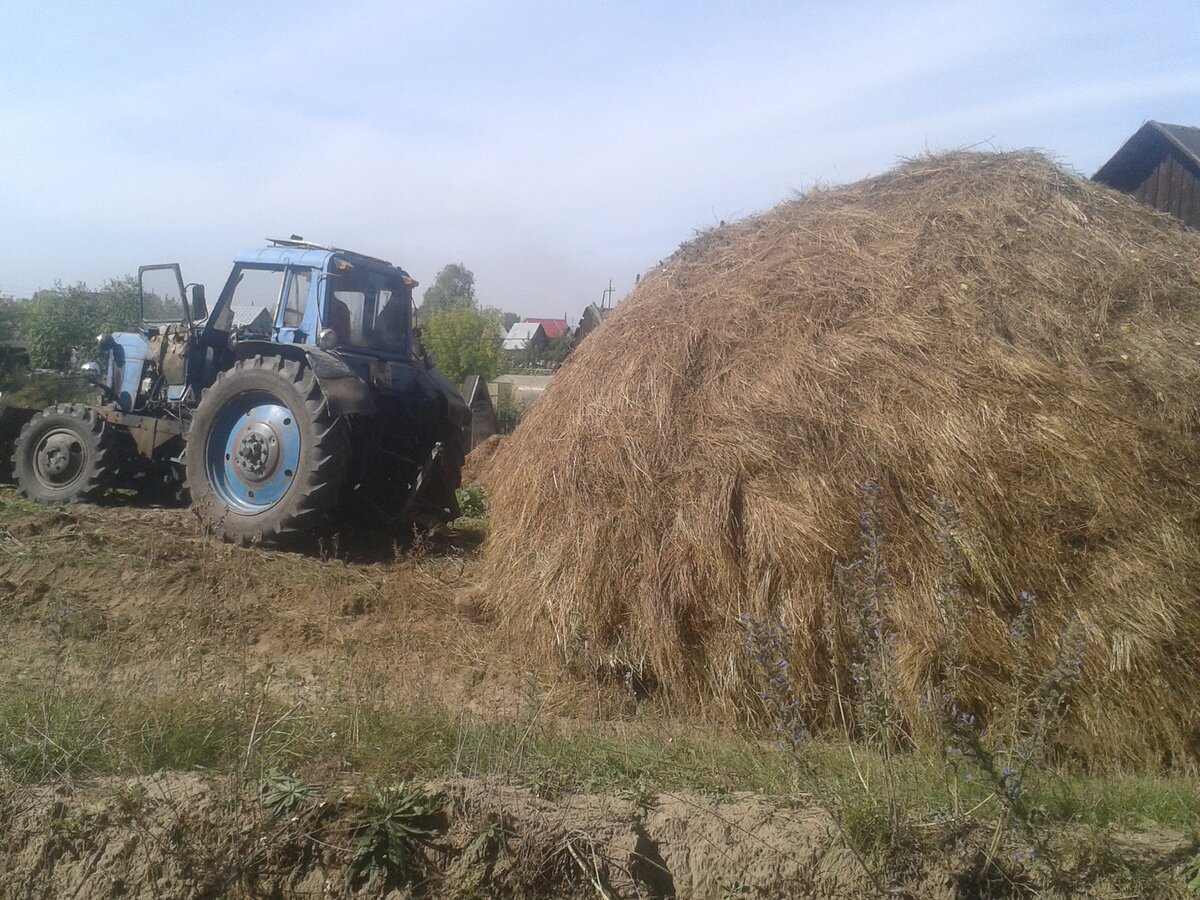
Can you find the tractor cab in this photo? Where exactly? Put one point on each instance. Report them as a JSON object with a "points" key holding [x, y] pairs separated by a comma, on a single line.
{"points": [[296, 292]]}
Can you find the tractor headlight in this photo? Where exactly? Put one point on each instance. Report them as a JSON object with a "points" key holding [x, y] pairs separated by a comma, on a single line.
{"points": [[328, 339]]}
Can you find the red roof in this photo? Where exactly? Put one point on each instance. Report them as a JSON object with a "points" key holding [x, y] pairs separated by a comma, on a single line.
{"points": [[553, 327]]}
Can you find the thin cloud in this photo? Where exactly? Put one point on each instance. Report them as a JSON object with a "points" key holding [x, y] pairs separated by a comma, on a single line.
{"points": [[548, 146]]}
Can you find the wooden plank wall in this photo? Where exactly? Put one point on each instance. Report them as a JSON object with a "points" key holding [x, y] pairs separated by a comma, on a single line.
{"points": [[1174, 189]]}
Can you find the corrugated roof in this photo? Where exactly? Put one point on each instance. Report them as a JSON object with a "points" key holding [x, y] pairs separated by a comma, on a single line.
{"points": [[521, 334], [529, 382], [553, 327]]}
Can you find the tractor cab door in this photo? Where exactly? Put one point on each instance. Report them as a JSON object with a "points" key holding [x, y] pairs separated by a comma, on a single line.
{"points": [[163, 300]]}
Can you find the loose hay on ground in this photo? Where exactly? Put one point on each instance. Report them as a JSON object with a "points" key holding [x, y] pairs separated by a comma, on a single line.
{"points": [[980, 327]]}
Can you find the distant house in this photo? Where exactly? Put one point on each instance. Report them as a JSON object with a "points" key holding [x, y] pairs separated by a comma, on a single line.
{"points": [[526, 337], [590, 321], [483, 414], [554, 328], [1160, 165]]}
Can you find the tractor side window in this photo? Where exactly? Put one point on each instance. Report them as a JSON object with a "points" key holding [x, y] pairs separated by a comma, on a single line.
{"points": [[391, 322], [344, 313], [256, 297], [297, 298]]}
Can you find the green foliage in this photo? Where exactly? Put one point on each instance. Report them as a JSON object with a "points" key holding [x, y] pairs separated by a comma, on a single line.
{"points": [[394, 827], [453, 288], [68, 318], [38, 390], [508, 413], [10, 319], [544, 359], [282, 794], [466, 341], [472, 501], [558, 350], [1190, 875]]}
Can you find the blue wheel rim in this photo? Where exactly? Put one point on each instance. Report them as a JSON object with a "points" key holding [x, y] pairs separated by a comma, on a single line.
{"points": [[253, 452]]}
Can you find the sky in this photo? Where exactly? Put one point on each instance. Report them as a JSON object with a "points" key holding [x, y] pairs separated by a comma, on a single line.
{"points": [[548, 146]]}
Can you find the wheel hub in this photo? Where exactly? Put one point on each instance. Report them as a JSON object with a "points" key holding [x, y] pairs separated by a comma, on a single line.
{"points": [[257, 455], [59, 457]]}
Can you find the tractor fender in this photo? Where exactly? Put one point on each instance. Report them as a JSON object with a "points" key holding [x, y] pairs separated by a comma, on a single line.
{"points": [[456, 409], [346, 392]]}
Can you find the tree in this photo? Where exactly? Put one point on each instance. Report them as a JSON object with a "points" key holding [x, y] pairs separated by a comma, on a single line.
{"points": [[65, 319], [466, 341], [12, 357], [558, 350], [452, 288]]}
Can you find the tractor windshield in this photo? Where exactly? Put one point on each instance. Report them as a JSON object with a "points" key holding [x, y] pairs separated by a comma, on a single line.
{"points": [[255, 296], [368, 311]]}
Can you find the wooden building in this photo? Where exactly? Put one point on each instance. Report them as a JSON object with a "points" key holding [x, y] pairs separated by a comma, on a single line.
{"points": [[592, 317], [483, 414], [1160, 165]]}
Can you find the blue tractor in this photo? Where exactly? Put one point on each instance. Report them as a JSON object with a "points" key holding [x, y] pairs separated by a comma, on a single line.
{"points": [[303, 392]]}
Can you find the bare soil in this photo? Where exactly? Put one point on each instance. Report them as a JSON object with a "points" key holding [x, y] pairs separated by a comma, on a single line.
{"points": [[186, 835], [164, 603]]}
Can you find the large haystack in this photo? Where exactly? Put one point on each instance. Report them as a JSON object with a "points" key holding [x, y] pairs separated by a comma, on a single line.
{"points": [[980, 327]]}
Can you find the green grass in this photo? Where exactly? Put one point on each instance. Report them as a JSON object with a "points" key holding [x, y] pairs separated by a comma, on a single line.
{"points": [[51, 733], [54, 728], [34, 391]]}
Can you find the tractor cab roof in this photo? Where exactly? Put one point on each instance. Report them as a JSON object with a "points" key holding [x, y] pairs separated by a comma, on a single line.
{"points": [[297, 252]]}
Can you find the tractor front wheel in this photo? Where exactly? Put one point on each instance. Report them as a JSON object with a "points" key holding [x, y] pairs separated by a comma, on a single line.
{"points": [[265, 458], [63, 455]]}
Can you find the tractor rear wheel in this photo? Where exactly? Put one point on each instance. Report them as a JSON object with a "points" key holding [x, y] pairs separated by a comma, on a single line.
{"points": [[265, 457], [64, 454]]}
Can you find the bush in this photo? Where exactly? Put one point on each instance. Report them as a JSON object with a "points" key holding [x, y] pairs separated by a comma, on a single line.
{"points": [[472, 501], [466, 342], [66, 320]]}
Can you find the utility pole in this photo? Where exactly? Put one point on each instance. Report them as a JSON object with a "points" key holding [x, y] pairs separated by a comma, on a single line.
{"points": [[606, 296]]}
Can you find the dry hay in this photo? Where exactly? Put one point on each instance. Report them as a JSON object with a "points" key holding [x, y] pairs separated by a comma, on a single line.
{"points": [[984, 328], [477, 469]]}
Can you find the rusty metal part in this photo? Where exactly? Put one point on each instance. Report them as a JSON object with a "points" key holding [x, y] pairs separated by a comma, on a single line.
{"points": [[147, 432], [169, 351]]}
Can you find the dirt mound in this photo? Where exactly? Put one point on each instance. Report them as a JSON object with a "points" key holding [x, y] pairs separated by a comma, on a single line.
{"points": [[981, 328], [190, 835], [478, 466]]}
